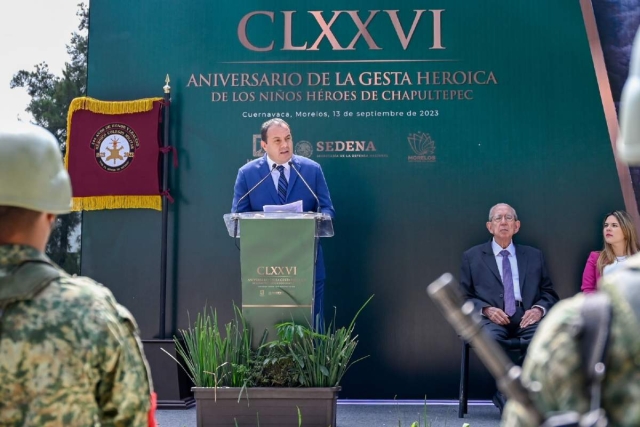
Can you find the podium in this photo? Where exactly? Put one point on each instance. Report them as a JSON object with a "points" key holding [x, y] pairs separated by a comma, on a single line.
{"points": [[278, 252]]}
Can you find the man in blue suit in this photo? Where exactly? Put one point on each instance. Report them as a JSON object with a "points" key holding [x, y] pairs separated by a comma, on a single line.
{"points": [[508, 284], [285, 186]]}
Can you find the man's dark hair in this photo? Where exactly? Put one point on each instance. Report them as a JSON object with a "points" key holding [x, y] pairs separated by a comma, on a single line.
{"points": [[272, 122]]}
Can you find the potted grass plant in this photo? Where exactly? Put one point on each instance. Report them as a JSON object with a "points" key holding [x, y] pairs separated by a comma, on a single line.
{"points": [[291, 381]]}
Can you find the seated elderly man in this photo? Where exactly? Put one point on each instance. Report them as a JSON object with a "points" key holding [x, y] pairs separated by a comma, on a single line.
{"points": [[508, 284]]}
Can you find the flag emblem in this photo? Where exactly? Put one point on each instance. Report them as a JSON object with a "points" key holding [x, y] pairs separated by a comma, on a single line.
{"points": [[115, 145]]}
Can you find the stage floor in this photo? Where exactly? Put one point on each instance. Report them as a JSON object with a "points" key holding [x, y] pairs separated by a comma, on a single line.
{"points": [[352, 413]]}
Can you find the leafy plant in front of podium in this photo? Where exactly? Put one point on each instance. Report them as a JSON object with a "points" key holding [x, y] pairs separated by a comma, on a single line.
{"points": [[300, 357], [212, 359], [320, 358]]}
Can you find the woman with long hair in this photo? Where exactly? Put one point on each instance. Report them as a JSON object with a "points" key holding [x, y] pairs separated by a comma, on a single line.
{"points": [[620, 242]]}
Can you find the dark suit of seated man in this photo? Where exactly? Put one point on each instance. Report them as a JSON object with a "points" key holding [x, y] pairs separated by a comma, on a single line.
{"points": [[508, 284]]}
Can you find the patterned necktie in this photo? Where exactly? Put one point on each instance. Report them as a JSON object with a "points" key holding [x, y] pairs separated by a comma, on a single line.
{"points": [[507, 282], [282, 185]]}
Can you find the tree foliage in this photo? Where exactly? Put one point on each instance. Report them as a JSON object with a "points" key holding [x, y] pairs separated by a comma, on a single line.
{"points": [[51, 96]]}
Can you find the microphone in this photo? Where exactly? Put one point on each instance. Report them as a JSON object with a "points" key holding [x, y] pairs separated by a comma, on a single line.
{"points": [[254, 187], [307, 184]]}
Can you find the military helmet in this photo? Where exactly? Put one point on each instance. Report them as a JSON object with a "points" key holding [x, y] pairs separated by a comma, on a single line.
{"points": [[32, 174]]}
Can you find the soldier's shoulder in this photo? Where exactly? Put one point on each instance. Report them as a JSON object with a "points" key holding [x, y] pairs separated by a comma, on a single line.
{"points": [[633, 262], [624, 282], [78, 292], [79, 298], [82, 283], [562, 320], [566, 309]]}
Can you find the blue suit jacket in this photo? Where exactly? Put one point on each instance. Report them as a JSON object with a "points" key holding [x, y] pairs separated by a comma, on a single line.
{"points": [[266, 193], [481, 282]]}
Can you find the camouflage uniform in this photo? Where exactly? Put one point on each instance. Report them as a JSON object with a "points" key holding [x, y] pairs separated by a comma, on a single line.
{"points": [[554, 358], [70, 355]]}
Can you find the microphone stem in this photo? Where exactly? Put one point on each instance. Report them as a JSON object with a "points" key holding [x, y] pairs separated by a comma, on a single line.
{"points": [[307, 185], [254, 187]]}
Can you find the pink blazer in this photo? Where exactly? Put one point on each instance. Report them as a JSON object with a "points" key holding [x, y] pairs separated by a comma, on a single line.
{"points": [[590, 275]]}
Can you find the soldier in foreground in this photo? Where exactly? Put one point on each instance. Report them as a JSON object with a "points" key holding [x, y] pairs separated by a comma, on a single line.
{"points": [[556, 360], [69, 354]]}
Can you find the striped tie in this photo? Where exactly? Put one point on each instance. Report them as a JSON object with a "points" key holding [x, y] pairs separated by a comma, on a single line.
{"points": [[282, 185], [507, 281]]}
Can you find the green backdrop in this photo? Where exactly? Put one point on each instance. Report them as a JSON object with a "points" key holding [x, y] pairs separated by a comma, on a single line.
{"points": [[419, 130]]}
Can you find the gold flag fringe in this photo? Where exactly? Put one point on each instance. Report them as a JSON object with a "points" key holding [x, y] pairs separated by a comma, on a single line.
{"points": [[110, 107], [116, 202]]}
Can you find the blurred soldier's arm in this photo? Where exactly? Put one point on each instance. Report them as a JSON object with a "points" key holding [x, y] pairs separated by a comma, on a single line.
{"points": [[553, 360], [124, 391], [629, 137]]}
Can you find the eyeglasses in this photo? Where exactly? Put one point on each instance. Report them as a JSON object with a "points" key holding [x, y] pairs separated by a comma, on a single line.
{"points": [[499, 218]]}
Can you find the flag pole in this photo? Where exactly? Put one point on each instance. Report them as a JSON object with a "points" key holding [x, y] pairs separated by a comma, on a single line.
{"points": [[172, 384], [165, 209]]}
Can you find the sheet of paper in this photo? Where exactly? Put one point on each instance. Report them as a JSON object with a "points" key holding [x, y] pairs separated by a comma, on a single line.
{"points": [[289, 207]]}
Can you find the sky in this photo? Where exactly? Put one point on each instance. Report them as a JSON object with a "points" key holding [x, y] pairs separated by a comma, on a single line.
{"points": [[33, 31]]}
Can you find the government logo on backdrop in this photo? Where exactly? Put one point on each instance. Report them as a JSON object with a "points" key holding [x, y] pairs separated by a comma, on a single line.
{"points": [[423, 147], [257, 148], [304, 148]]}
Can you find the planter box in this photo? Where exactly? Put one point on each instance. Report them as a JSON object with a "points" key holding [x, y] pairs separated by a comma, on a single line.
{"points": [[266, 405]]}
